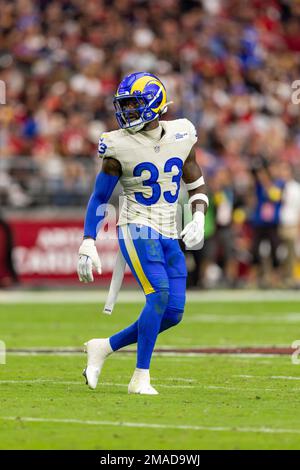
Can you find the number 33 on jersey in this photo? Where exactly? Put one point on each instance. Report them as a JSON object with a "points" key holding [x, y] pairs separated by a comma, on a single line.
{"points": [[151, 172]]}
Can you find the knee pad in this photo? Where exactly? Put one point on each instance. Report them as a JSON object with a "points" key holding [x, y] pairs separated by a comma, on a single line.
{"points": [[158, 301], [174, 311], [176, 302], [172, 317]]}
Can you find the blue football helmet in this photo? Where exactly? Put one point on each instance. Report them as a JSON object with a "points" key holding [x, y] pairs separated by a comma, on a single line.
{"points": [[141, 97]]}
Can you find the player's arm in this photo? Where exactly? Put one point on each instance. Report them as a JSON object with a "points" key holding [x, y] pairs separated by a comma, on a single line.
{"points": [[193, 233], [95, 213]]}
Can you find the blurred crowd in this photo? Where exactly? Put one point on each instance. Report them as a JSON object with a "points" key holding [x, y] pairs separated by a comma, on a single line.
{"points": [[228, 65]]}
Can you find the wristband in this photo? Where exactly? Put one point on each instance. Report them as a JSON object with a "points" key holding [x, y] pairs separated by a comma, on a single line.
{"points": [[195, 184], [201, 197]]}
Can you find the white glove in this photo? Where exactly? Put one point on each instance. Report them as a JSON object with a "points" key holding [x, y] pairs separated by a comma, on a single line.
{"points": [[88, 259], [193, 234]]}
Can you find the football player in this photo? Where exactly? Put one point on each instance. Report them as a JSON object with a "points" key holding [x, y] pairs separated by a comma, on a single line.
{"points": [[149, 157]]}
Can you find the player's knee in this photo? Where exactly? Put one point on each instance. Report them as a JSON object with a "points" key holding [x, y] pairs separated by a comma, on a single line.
{"points": [[175, 315], [162, 299], [176, 302], [159, 301], [172, 317], [175, 308]]}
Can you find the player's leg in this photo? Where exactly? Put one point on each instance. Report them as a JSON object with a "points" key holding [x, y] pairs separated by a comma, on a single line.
{"points": [[172, 316], [145, 258], [177, 274], [169, 306], [175, 268], [142, 250], [175, 308], [141, 247]]}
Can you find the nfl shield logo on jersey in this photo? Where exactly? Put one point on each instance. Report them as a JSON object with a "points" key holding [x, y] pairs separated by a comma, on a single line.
{"points": [[156, 148]]}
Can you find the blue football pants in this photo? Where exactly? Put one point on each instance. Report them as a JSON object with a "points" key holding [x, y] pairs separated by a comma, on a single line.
{"points": [[158, 265]]}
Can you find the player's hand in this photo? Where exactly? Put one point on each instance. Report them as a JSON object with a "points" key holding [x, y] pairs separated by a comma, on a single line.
{"points": [[193, 234], [88, 259]]}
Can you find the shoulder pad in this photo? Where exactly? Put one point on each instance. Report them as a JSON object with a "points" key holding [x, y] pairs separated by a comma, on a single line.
{"points": [[105, 146]]}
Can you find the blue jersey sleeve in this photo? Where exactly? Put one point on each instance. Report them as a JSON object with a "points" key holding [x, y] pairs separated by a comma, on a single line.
{"points": [[95, 211]]}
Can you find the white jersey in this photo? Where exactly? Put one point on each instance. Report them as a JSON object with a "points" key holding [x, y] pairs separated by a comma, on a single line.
{"points": [[151, 172]]}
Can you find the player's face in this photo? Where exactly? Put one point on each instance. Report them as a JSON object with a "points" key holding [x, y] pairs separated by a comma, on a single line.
{"points": [[129, 105]]}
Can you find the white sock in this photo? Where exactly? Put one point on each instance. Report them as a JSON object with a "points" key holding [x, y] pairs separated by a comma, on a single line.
{"points": [[141, 374], [107, 347]]}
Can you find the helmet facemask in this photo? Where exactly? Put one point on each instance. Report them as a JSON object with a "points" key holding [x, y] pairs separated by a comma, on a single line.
{"points": [[129, 112]]}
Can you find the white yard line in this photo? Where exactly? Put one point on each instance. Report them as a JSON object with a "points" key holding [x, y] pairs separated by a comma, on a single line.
{"points": [[266, 377], [126, 424], [179, 379], [177, 356], [156, 381], [67, 382], [40, 381], [129, 296], [266, 317], [283, 377], [239, 389]]}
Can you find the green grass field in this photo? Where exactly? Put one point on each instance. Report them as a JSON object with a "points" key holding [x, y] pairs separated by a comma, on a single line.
{"points": [[205, 401]]}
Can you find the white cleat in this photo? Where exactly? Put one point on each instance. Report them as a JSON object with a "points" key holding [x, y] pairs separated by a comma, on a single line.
{"points": [[140, 383], [91, 375], [97, 351], [141, 388]]}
